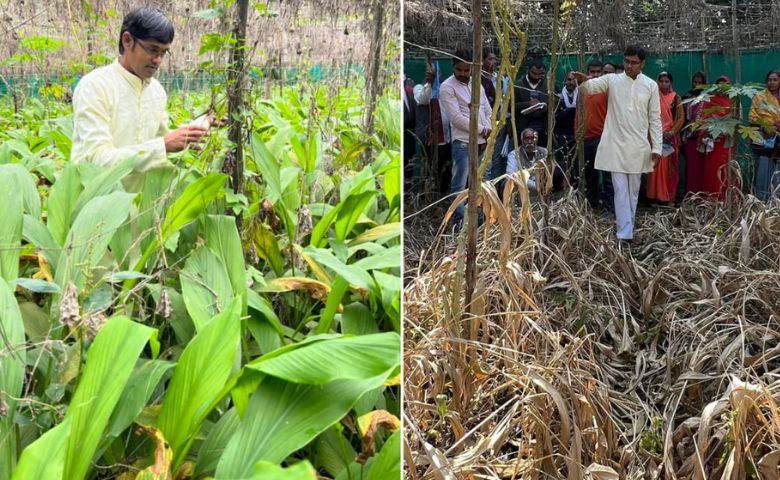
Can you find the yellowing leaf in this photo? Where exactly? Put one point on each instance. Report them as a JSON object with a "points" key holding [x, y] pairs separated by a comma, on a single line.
{"points": [[392, 382], [163, 456], [377, 233], [369, 424], [315, 288]]}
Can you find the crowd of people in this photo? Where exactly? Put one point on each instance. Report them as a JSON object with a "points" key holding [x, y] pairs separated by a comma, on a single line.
{"points": [[635, 131]]}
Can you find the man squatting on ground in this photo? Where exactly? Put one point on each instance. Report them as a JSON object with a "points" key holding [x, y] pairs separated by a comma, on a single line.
{"points": [[633, 111]]}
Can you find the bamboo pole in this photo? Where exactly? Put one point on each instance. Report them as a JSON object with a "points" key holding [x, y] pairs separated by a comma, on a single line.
{"points": [[474, 180], [235, 100]]}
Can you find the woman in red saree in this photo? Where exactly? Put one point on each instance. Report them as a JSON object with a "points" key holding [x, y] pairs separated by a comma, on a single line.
{"points": [[694, 159], [716, 153], [662, 181]]}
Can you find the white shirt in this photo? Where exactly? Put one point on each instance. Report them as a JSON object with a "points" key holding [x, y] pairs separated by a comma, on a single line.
{"points": [[422, 95], [116, 115], [455, 98], [526, 165], [634, 111]]}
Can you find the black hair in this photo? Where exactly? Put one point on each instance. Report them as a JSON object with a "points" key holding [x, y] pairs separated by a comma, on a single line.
{"points": [[635, 50], [595, 63], [461, 56], [487, 51], [701, 75], [146, 23], [536, 63], [776, 72], [614, 65], [667, 75]]}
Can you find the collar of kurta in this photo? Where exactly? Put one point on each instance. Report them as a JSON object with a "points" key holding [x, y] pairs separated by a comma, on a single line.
{"points": [[131, 78]]}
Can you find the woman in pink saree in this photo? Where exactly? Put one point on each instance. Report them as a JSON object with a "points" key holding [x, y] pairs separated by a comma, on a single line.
{"points": [[662, 181]]}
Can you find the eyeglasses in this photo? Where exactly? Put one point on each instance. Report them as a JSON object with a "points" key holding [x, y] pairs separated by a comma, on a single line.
{"points": [[631, 62], [153, 52]]}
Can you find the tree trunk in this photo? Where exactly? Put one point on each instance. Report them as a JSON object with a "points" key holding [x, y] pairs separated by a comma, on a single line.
{"points": [[375, 59], [236, 100], [474, 180]]}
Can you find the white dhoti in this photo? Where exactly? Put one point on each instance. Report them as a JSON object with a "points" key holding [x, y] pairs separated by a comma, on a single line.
{"points": [[626, 187]]}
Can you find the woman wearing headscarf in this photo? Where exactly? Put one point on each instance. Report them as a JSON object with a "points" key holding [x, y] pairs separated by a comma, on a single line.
{"points": [[765, 113], [716, 152], [694, 159], [662, 181]]}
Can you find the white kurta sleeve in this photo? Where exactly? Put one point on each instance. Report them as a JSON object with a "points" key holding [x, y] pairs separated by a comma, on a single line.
{"points": [[422, 94], [93, 141], [654, 120], [595, 85]]}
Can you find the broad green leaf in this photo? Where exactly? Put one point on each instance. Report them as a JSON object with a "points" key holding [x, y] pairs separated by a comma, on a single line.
{"points": [[44, 459], [283, 417], [350, 212], [357, 319], [136, 394], [211, 450], [205, 286], [193, 202], [12, 356], [392, 179], [35, 232], [266, 309], [390, 286], [354, 275], [321, 228], [37, 286], [378, 234], [360, 357], [36, 321], [336, 295], [107, 181], [334, 452], [62, 202], [263, 323], [110, 361], [116, 277], [25, 187], [267, 248], [90, 235], [388, 462], [11, 226], [223, 240], [180, 320], [158, 191], [389, 258], [270, 471], [269, 167], [202, 370]]}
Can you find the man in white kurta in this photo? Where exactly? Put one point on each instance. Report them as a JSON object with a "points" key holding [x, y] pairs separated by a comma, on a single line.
{"points": [[119, 110], [633, 115]]}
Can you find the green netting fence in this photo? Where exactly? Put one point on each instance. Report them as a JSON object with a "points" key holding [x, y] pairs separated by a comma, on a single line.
{"points": [[31, 84], [754, 66]]}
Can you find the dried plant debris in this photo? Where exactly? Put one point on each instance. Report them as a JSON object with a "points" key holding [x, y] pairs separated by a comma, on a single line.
{"points": [[592, 360]]}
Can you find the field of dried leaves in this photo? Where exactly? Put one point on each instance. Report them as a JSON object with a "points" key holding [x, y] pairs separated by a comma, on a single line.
{"points": [[586, 360]]}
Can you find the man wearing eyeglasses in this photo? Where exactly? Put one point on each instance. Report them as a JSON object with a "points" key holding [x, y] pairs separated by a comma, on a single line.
{"points": [[119, 110], [631, 142]]}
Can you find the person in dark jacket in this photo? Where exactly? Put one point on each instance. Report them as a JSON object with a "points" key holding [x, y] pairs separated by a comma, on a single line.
{"points": [[531, 97]]}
